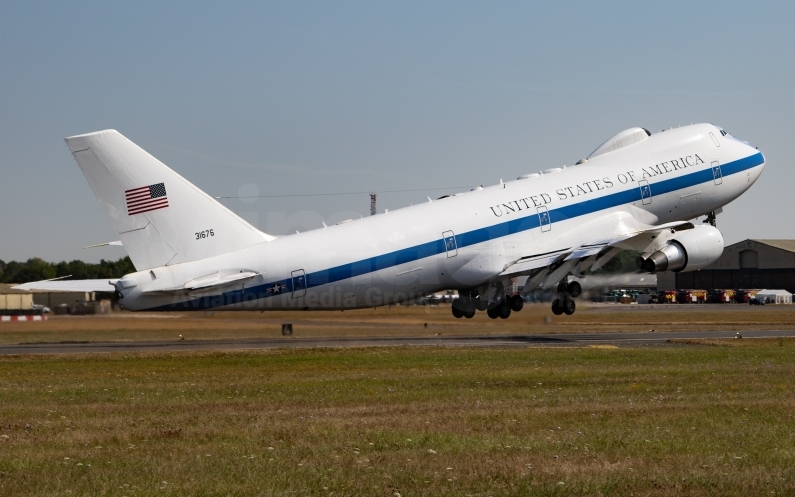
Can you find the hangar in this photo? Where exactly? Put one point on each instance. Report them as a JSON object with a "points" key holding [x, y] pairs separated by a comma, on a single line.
{"points": [[78, 302], [747, 264]]}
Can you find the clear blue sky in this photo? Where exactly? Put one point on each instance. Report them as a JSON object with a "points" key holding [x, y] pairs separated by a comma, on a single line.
{"points": [[323, 97]]}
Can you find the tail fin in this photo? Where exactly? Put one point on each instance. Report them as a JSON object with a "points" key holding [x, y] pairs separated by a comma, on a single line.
{"points": [[161, 217]]}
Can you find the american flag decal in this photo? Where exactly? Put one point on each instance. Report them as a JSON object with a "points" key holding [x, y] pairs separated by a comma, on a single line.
{"points": [[146, 198]]}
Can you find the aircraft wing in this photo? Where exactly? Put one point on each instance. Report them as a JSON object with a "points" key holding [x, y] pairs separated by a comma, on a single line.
{"points": [[105, 285], [594, 253]]}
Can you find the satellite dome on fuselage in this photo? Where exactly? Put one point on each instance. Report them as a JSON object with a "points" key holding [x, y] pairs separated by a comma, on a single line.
{"points": [[623, 139]]}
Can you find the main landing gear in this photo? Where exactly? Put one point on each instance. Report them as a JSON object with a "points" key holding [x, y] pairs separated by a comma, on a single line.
{"points": [[564, 303], [504, 308], [458, 313], [495, 303]]}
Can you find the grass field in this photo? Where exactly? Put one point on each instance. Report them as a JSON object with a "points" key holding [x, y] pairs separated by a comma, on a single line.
{"points": [[396, 321], [713, 419]]}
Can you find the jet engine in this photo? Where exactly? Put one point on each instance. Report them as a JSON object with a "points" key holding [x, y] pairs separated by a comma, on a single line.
{"points": [[689, 250]]}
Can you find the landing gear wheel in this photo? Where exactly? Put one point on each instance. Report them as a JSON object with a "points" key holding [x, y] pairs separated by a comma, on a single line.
{"points": [[568, 307], [458, 313], [469, 315], [711, 219], [481, 305], [504, 310], [557, 307], [574, 288], [516, 303], [493, 313]]}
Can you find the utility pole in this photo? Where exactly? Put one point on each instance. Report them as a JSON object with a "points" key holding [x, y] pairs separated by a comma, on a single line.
{"points": [[372, 204]]}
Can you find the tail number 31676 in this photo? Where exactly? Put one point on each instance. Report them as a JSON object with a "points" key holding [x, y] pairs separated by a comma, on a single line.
{"points": [[204, 234]]}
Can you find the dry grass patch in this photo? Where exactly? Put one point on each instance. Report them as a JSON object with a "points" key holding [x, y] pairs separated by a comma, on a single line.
{"points": [[395, 321]]}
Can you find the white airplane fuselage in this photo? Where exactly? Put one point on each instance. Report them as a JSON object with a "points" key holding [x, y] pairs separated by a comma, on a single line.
{"points": [[468, 239]]}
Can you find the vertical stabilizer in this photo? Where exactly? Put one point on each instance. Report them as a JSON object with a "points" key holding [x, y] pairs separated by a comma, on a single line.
{"points": [[160, 217]]}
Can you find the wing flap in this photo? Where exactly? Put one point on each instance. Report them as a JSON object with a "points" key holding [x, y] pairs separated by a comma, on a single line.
{"points": [[605, 248], [527, 264]]}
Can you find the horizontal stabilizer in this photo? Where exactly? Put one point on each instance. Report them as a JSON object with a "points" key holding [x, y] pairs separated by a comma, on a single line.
{"points": [[210, 281], [106, 244], [105, 285]]}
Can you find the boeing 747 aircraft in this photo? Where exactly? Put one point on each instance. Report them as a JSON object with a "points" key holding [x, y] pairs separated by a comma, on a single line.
{"points": [[636, 191]]}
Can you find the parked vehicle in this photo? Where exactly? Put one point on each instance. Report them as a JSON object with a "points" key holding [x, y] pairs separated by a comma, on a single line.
{"points": [[691, 296], [744, 296], [721, 296]]}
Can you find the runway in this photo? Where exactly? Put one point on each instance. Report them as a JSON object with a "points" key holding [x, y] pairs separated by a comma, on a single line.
{"points": [[632, 339]]}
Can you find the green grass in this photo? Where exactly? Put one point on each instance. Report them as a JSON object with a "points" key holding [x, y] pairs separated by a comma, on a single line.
{"points": [[683, 419]]}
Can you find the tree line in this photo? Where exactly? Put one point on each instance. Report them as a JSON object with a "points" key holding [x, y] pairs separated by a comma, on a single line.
{"points": [[36, 269]]}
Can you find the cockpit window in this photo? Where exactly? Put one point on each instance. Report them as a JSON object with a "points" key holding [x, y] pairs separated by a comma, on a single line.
{"points": [[724, 132]]}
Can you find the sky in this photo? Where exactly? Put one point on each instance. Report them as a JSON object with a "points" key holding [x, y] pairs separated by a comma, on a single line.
{"points": [[309, 99]]}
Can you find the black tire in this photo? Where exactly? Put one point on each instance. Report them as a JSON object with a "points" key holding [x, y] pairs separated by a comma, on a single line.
{"points": [[458, 313], [481, 305], [516, 303], [504, 310], [493, 313], [557, 308], [569, 307], [469, 315], [575, 289]]}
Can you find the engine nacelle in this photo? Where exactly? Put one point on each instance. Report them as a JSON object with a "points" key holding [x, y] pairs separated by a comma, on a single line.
{"points": [[689, 250]]}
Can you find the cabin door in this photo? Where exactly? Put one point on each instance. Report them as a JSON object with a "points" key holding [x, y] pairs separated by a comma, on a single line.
{"points": [[716, 172], [450, 245], [543, 219], [645, 192], [299, 283]]}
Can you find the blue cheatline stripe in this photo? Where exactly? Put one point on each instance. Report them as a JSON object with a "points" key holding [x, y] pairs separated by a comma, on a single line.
{"points": [[474, 237]]}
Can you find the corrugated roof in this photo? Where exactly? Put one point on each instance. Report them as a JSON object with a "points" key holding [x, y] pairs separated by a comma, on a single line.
{"points": [[788, 245], [6, 289]]}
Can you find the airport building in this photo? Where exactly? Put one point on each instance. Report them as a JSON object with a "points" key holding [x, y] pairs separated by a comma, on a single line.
{"points": [[76, 301], [746, 265], [14, 300]]}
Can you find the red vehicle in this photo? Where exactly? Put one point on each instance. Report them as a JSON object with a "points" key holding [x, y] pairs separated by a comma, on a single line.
{"points": [[721, 296], [744, 296], [667, 297], [691, 296]]}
